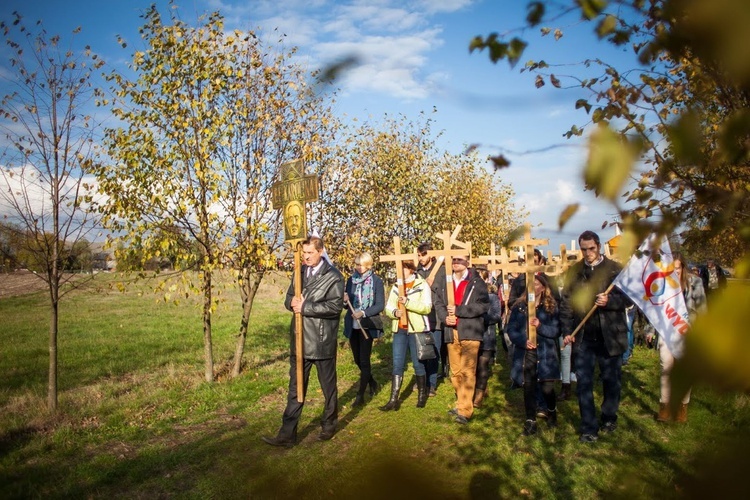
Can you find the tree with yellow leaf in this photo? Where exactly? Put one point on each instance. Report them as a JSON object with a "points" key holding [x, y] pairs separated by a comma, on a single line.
{"points": [[684, 115], [390, 179], [206, 124]]}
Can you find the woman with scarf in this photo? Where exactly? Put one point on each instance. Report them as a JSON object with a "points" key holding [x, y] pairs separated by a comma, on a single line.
{"points": [[364, 298]]}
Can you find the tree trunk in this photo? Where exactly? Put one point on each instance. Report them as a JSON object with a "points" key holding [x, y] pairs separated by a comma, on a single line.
{"points": [[52, 377], [249, 283], [207, 345]]}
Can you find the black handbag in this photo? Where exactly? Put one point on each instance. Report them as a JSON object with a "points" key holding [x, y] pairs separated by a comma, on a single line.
{"points": [[425, 346], [371, 322]]}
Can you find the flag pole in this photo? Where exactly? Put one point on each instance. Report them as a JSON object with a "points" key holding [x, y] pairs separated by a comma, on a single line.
{"points": [[588, 315]]}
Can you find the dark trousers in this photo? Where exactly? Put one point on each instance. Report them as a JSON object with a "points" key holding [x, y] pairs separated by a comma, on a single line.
{"points": [[362, 351], [589, 353], [532, 386], [484, 369], [326, 369]]}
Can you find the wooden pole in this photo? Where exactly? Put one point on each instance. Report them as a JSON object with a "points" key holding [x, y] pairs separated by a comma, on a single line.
{"points": [[298, 347], [356, 321], [403, 321], [591, 311]]}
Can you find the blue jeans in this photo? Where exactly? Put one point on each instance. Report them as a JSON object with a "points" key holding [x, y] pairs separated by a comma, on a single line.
{"points": [[402, 341], [433, 364], [587, 355]]}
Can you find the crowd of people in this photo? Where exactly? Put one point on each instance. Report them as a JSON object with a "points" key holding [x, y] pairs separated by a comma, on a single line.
{"points": [[451, 327]]}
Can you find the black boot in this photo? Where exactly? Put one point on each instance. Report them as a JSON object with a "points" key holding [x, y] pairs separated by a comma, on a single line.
{"points": [[564, 393], [552, 418], [374, 386], [393, 403], [421, 391], [360, 399]]}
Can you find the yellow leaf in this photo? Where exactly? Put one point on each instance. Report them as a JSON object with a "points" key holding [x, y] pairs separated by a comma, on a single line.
{"points": [[718, 346], [609, 163]]}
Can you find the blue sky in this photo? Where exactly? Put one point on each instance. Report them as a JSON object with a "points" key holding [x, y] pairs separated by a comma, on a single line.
{"points": [[414, 57]]}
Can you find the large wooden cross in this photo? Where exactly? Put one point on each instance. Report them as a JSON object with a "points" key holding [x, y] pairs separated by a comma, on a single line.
{"points": [[446, 255], [398, 258], [290, 194], [529, 269]]}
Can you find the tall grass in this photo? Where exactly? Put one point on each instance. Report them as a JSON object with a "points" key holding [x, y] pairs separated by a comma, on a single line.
{"points": [[136, 420]]}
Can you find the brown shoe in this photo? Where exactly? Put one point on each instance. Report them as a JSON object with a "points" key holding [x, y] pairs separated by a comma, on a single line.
{"points": [[664, 414], [681, 414]]}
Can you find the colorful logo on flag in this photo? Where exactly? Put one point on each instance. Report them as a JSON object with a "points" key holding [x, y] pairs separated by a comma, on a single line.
{"points": [[659, 282]]}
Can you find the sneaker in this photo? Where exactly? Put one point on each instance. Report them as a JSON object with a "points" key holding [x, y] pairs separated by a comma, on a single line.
{"points": [[608, 427], [453, 412], [541, 413], [529, 427], [588, 438], [432, 392], [460, 419]]}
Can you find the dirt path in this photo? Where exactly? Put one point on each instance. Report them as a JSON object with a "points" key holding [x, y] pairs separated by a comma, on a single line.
{"points": [[20, 283]]}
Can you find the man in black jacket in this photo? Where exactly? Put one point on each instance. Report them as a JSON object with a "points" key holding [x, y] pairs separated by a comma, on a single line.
{"points": [[464, 329], [602, 339], [320, 305]]}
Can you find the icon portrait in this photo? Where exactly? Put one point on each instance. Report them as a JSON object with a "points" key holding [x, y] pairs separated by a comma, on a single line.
{"points": [[293, 219]]}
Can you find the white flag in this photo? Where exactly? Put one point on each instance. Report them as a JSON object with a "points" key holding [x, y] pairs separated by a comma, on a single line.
{"points": [[325, 253], [652, 284]]}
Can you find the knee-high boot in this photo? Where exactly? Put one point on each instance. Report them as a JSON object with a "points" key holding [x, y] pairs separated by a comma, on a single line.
{"points": [[393, 403], [421, 391], [360, 399]]}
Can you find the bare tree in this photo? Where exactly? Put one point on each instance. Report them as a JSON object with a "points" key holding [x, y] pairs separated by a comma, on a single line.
{"points": [[47, 150]]}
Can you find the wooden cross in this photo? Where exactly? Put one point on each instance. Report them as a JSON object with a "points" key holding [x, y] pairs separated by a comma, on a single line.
{"points": [[445, 255], [564, 262], [398, 258], [497, 262], [290, 194]]}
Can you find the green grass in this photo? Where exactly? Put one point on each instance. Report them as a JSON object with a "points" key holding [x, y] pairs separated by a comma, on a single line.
{"points": [[136, 419]]}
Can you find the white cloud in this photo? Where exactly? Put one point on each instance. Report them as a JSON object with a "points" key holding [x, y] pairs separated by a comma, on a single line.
{"points": [[378, 18], [444, 5], [564, 191], [391, 41], [390, 65]]}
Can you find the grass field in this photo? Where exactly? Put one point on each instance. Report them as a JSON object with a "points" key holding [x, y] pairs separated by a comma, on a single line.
{"points": [[136, 419]]}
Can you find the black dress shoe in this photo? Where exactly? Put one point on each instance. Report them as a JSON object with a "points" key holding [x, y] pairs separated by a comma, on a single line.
{"points": [[277, 441], [325, 435]]}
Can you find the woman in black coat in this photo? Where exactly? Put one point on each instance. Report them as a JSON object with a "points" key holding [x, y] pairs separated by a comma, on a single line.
{"points": [[541, 362], [365, 296]]}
